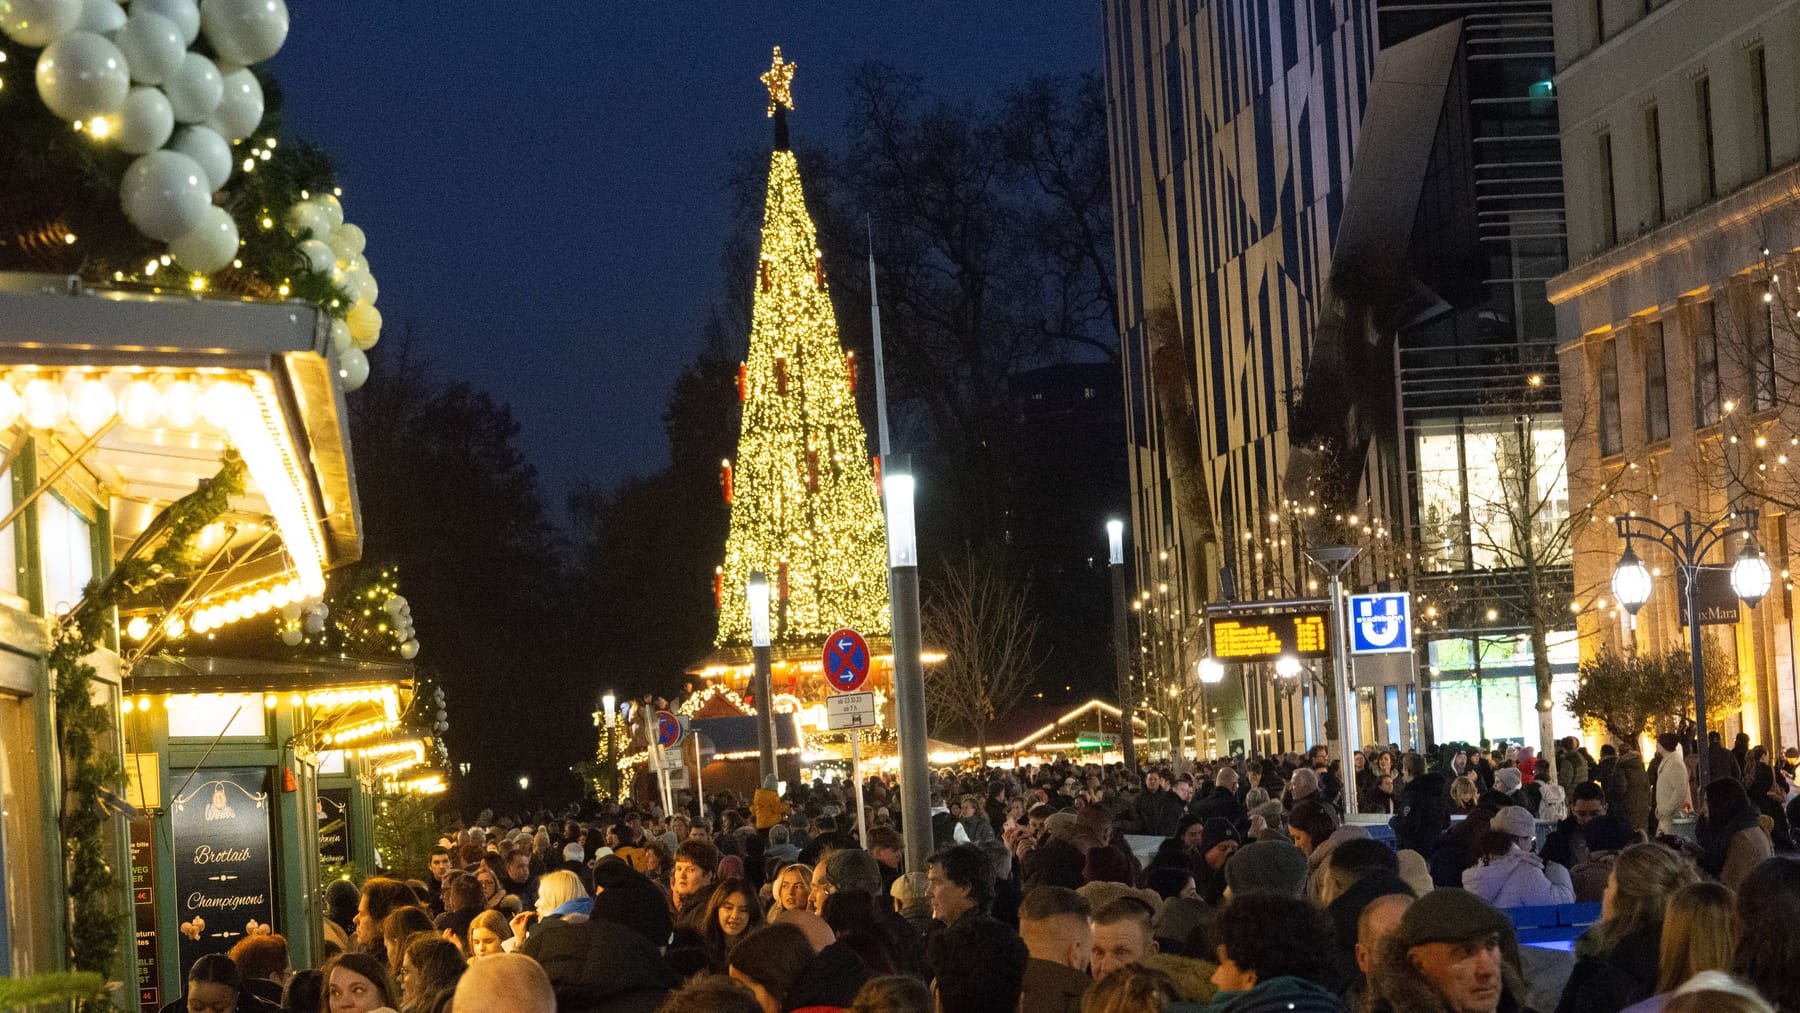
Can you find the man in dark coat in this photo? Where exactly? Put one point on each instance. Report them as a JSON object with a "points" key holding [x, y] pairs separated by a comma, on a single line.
{"points": [[1053, 922], [1222, 799], [1157, 810], [1568, 844], [1628, 788], [1423, 810], [599, 966]]}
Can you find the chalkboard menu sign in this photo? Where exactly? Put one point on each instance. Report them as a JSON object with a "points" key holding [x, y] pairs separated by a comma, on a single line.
{"points": [[143, 906], [223, 886], [334, 826]]}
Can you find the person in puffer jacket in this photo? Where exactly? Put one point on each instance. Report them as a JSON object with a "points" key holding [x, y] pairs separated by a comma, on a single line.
{"points": [[1509, 873]]}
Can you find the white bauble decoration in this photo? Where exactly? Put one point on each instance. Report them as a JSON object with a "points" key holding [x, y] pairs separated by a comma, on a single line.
{"points": [[347, 240], [314, 622], [102, 17], [393, 605], [319, 258], [211, 246], [37, 23], [82, 75], [365, 324], [204, 145], [194, 89], [292, 636], [145, 121], [165, 194], [185, 14], [341, 341], [353, 368], [240, 106], [333, 207], [152, 45], [307, 220], [245, 31], [409, 650], [361, 285]]}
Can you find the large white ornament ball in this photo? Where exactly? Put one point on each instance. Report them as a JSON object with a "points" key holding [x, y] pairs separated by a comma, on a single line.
{"points": [[102, 17], [365, 324], [185, 14], [341, 341], [360, 284], [152, 45], [194, 89], [307, 220], [145, 121], [353, 368], [347, 240], [37, 23], [211, 246], [409, 651], [165, 194], [319, 258], [333, 207], [245, 31], [292, 636], [82, 75], [204, 145], [240, 106]]}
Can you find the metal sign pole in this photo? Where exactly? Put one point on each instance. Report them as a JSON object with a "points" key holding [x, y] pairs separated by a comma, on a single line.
{"points": [[862, 822], [699, 785]]}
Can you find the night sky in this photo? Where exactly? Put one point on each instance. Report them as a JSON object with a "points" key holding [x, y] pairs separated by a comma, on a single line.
{"points": [[543, 188]]}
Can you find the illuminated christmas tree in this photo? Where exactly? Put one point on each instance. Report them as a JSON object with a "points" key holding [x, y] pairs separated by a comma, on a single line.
{"points": [[804, 509]]}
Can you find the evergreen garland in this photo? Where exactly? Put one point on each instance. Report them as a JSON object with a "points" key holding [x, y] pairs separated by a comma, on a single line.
{"points": [[84, 728]]}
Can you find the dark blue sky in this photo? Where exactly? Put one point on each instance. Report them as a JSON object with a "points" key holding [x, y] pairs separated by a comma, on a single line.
{"points": [[542, 184]]}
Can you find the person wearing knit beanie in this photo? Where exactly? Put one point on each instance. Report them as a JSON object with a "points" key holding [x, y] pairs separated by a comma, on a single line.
{"points": [[1266, 867]]}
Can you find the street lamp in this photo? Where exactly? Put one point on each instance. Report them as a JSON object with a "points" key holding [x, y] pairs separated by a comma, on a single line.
{"points": [[1334, 560], [1287, 666], [909, 669], [524, 783], [1689, 543], [757, 594], [1115, 557], [1212, 671]]}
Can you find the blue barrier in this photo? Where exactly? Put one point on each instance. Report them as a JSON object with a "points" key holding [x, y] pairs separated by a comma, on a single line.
{"points": [[1547, 924]]}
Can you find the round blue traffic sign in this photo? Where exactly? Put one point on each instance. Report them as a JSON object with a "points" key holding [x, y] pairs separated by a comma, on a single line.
{"points": [[846, 661], [668, 729]]}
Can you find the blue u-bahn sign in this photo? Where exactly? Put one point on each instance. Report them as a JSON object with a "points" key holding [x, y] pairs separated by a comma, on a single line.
{"points": [[1380, 623]]}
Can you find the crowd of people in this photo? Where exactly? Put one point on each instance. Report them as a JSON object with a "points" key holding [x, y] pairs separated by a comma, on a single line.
{"points": [[1230, 886]]}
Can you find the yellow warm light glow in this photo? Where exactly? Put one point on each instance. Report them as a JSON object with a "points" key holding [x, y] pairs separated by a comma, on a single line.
{"points": [[803, 490], [780, 80], [258, 429]]}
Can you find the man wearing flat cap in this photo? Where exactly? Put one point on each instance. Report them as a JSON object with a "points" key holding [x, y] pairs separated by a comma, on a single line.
{"points": [[1453, 953]]}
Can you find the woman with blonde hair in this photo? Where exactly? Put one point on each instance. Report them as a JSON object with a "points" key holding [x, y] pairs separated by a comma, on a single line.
{"points": [[1133, 988], [560, 897], [1617, 959], [1699, 934]]}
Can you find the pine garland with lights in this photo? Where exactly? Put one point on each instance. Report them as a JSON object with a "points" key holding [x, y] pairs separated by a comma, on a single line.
{"points": [[359, 621], [804, 508], [84, 728]]}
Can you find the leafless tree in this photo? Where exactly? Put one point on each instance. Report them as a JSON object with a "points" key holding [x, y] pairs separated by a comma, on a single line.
{"points": [[979, 617]]}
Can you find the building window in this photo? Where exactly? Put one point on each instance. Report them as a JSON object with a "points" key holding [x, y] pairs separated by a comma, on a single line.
{"points": [[1653, 164], [1609, 212], [1656, 384], [1760, 351], [1760, 152], [1706, 364], [1709, 174], [1612, 432]]}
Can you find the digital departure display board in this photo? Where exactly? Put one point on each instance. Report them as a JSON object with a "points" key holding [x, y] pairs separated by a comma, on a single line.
{"points": [[1265, 638]]}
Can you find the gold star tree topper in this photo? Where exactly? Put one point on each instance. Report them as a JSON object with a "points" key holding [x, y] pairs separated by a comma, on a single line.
{"points": [[779, 79]]}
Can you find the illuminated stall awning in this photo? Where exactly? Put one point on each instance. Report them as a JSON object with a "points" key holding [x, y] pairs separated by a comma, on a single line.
{"points": [[135, 399]]}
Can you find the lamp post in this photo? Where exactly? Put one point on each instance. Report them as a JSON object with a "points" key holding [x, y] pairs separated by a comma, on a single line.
{"points": [[909, 669], [1334, 560], [1689, 542], [1115, 556], [757, 591], [609, 708]]}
